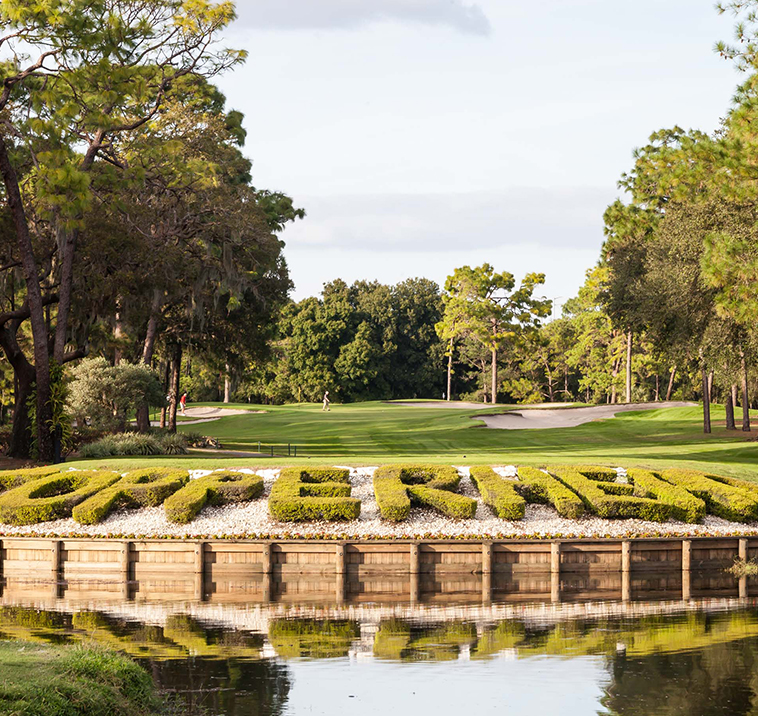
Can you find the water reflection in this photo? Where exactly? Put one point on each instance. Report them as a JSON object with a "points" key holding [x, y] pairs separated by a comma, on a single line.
{"points": [[306, 648]]}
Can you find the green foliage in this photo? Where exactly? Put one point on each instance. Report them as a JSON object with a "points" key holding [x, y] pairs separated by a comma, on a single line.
{"points": [[46, 680], [731, 502], [52, 497], [139, 488], [397, 487], [312, 639], [538, 486], [14, 478], [219, 488], [498, 493], [610, 506], [135, 444], [304, 495], [106, 394], [684, 506]]}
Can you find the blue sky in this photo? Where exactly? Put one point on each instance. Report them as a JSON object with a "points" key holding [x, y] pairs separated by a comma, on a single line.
{"points": [[421, 135]]}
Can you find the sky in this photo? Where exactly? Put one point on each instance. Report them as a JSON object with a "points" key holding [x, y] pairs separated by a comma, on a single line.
{"points": [[422, 135]]}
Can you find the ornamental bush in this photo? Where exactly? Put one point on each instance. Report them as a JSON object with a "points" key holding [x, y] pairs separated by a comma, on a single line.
{"points": [[219, 488], [304, 495], [537, 486], [140, 488], [498, 493], [14, 478], [608, 505], [726, 499], [398, 487], [684, 505], [52, 497]]}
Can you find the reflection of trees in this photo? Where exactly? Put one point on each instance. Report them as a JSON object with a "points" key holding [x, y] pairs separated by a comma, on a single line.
{"points": [[233, 687], [718, 680]]}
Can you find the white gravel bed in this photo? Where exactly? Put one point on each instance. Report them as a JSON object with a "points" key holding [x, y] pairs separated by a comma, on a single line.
{"points": [[251, 519]]}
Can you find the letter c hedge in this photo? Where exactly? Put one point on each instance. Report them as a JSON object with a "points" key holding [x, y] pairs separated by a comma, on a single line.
{"points": [[52, 497]]}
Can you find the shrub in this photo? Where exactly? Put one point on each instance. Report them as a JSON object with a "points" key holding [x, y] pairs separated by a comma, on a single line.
{"points": [[173, 444], [218, 488], [140, 488], [498, 493], [607, 505], [14, 478], [684, 506], [538, 486], [52, 497], [300, 495], [722, 499], [397, 487]]}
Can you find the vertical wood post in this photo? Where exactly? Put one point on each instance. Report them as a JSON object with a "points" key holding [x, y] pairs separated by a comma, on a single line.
{"points": [[686, 569], [126, 548], [414, 569], [199, 571], [340, 567], [266, 566], [486, 573], [626, 571], [742, 554], [56, 567], [555, 571]]}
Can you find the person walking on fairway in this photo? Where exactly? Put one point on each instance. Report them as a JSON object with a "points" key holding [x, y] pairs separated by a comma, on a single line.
{"points": [[183, 402], [326, 402]]}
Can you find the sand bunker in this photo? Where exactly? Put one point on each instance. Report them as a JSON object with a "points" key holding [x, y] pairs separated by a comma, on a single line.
{"points": [[566, 417]]}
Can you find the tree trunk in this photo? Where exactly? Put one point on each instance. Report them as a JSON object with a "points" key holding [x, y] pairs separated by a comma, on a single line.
{"points": [[227, 385], [118, 334], [494, 376], [45, 443], [67, 247], [735, 393], [167, 389], [657, 388], [745, 397], [449, 370], [614, 375], [706, 403], [710, 386], [729, 407], [23, 373], [176, 374], [148, 349], [629, 367], [670, 389]]}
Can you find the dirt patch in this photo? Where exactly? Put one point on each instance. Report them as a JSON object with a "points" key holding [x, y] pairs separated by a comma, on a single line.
{"points": [[566, 417]]}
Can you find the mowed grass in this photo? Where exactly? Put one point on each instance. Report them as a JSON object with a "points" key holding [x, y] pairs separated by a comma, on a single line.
{"points": [[374, 433], [44, 680]]}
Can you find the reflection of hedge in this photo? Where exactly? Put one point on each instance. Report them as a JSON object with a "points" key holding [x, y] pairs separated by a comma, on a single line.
{"points": [[608, 505], [302, 495], [14, 478], [397, 487], [684, 506], [140, 488], [722, 499], [537, 486], [498, 493], [312, 639], [52, 497], [398, 641], [218, 488]]}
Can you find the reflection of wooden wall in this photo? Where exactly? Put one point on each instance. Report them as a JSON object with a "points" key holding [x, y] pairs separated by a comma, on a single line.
{"points": [[379, 571]]}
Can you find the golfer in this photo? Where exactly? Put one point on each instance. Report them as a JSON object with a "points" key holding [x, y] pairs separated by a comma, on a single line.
{"points": [[183, 402], [326, 402]]}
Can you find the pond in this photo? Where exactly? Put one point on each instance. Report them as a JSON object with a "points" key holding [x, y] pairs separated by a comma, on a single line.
{"points": [[226, 657]]}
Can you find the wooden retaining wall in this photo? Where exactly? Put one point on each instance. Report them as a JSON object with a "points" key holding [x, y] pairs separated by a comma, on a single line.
{"points": [[228, 571]]}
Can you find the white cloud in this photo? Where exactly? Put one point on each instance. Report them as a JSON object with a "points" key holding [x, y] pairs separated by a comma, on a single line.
{"points": [[297, 14]]}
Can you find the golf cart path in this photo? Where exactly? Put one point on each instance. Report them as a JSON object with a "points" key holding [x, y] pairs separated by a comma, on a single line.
{"points": [[567, 417]]}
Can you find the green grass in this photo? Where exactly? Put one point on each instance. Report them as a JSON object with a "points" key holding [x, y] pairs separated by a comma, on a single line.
{"points": [[42, 680], [376, 433]]}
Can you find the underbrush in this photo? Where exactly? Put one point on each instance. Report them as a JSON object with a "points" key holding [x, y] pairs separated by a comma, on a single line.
{"points": [[126, 444]]}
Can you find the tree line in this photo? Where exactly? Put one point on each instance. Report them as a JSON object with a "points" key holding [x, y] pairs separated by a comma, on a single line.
{"points": [[130, 228]]}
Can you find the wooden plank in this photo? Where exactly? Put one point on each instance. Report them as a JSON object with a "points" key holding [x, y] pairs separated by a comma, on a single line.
{"points": [[686, 567], [555, 572]]}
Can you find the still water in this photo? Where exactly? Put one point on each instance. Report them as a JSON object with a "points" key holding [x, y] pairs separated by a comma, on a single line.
{"points": [[642, 658]]}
